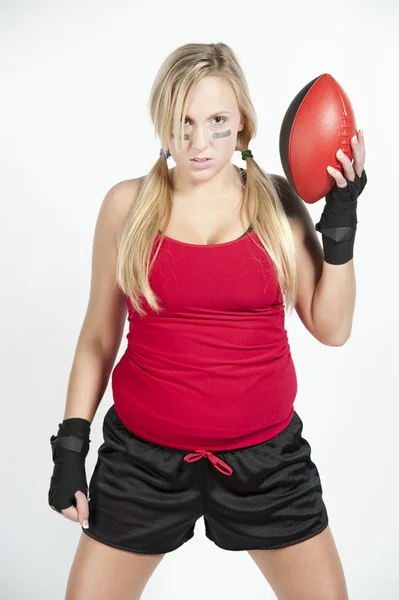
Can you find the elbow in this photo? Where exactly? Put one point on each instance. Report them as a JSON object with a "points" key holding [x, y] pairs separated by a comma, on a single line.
{"points": [[334, 340], [337, 343]]}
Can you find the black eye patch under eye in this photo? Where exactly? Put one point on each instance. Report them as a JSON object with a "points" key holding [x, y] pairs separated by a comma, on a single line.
{"points": [[221, 134], [186, 136]]}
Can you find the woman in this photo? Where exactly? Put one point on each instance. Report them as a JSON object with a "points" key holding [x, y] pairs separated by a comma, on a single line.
{"points": [[203, 420]]}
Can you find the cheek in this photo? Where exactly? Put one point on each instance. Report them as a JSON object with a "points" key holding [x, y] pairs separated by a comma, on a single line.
{"points": [[225, 141], [172, 145]]}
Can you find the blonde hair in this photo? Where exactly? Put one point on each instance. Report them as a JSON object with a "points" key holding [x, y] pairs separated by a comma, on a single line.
{"points": [[261, 203]]}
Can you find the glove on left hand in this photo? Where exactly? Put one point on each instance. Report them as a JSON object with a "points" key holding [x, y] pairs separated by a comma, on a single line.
{"points": [[338, 222]]}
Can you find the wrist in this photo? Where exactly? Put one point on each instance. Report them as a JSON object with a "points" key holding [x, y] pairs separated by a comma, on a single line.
{"points": [[74, 426], [338, 224], [337, 253]]}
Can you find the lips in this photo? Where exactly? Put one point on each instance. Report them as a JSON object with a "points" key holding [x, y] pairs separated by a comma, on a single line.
{"points": [[202, 164]]}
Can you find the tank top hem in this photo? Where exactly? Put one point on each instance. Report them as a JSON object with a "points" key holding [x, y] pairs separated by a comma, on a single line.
{"points": [[248, 441]]}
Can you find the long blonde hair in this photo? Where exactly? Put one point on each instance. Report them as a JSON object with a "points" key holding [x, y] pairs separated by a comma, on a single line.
{"points": [[261, 204]]}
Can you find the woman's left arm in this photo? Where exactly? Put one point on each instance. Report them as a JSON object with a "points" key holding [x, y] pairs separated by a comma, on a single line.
{"points": [[326, 285]]}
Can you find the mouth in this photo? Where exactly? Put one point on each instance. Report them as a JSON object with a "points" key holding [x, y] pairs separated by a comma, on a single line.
{"points": [[201, 163]]}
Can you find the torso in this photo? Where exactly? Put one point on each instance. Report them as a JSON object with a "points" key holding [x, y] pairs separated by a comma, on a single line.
{"points": [[219, 223]]}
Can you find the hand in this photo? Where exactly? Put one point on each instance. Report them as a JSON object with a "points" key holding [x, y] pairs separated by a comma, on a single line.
{"points": [[338, 222], [69, 475], [80, 512], [351, 169], [68, 484]]}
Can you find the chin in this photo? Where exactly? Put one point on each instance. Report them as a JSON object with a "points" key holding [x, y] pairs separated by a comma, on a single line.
{"points": [[204, 173]]}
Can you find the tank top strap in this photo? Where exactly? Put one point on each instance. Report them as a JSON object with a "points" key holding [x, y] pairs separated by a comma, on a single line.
{"points": [[244, 176]]}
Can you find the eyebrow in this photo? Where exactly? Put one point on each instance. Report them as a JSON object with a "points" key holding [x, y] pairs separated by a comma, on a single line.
{"points": [[214, 114]]}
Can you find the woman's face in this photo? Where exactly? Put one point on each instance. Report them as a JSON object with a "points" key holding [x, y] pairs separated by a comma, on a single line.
{"points": [[210, 130]]}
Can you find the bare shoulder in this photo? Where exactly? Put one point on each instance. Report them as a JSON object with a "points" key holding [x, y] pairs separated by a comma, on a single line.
{"points": [[298, 215], [118, 201], [294, 206], [126, 188]]}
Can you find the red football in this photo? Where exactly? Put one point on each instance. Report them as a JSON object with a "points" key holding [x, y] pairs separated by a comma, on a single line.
{"points": [[318, 122]]}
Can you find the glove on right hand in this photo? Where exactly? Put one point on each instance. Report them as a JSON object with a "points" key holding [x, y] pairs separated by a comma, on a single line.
{"points": [[69, 450]]}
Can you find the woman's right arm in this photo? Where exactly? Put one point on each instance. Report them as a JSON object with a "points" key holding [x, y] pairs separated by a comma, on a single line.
{"points": [[103, 325]]}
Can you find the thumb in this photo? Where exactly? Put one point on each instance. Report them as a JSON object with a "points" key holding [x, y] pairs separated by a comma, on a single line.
{"points": [[82, 507]]}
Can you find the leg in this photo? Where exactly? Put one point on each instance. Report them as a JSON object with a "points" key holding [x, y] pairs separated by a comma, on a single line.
{"points": [[310, 570], [101, 572]]}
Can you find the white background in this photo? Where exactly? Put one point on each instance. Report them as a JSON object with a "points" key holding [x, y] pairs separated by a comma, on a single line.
{"points": [[75, 83]]}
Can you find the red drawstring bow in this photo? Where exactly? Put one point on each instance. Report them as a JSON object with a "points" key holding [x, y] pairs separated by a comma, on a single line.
{"points": [[217, 462]]}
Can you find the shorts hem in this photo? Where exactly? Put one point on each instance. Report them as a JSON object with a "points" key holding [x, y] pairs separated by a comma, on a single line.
{"points": [[272, 546], [98, 538]]}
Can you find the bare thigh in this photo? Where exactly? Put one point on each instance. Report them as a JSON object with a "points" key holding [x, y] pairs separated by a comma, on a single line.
{"points": [[310, 570], [101, 572]]}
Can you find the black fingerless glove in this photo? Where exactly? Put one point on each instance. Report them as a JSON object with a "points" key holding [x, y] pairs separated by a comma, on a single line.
{"points": [[69, 449], [338, 222]]}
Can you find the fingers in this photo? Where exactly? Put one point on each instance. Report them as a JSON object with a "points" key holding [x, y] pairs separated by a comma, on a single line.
{"points": [[359, 152], [70, 513], [349, 168], [80, 513], [82, 507], [339, 178]]}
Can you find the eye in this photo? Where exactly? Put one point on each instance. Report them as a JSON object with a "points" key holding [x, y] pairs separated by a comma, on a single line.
{"points": [[224, 120]]}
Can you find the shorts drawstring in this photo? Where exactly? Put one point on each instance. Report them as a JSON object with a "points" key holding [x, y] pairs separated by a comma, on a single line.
{"points": [[216, 461]]}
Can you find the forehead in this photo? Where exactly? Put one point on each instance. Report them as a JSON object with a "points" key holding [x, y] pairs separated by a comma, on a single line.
{"points": [[211, 94]]}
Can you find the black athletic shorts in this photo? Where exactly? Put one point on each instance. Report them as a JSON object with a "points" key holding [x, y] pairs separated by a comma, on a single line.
{"points": [[146, 498]]}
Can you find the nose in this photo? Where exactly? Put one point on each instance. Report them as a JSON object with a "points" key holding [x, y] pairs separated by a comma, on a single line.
{"points": [[199, 138]]}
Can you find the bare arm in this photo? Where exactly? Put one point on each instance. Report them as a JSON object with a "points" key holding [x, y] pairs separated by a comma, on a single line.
{"points": [[326, 293], [103, 325]]}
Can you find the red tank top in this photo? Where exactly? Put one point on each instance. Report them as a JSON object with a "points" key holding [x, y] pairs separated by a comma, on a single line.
{"points": [[213, 370]]}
